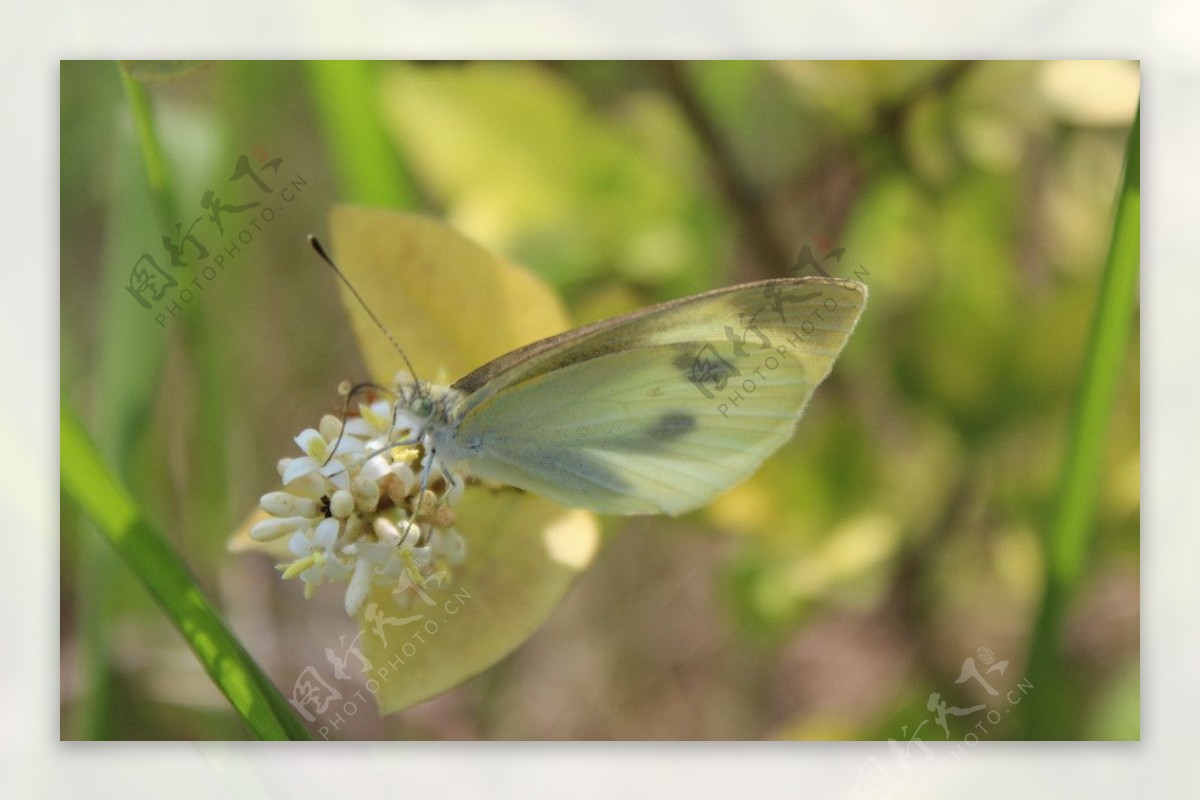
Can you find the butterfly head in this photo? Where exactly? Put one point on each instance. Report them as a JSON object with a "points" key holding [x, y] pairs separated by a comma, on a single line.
{"points": [[415, 397], [424, 401]]}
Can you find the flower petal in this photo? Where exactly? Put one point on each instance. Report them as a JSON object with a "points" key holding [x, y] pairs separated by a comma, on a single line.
{"points": [[299, 467], [360, 583], [285, 504], [277, 527], [311, 442], [326, 533]]}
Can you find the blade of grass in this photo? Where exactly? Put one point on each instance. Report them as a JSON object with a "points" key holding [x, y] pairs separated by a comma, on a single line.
{"points": [[154, 158], [88, 482], [130, 356], [369, 168], [1051, 711]]}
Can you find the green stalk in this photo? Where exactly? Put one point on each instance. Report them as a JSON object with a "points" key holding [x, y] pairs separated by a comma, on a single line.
{"points": [[1053, 708], [130, 356], [87, 481], [158, 175], [368, 166]]}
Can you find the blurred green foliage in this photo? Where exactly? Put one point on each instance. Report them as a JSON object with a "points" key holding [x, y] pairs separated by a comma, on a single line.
{"points": [[902, 529]]}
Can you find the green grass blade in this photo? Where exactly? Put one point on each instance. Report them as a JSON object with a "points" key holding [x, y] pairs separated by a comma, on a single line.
{"points": [[368, 167], [1050, 714], [132, 350], [88, 481], [154, 158]]}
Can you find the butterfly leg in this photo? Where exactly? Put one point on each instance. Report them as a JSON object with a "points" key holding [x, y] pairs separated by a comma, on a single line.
{"points": [[426, 469]]}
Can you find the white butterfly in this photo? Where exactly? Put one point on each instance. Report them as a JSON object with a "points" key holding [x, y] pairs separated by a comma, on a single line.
{"points": [[654, 411]]}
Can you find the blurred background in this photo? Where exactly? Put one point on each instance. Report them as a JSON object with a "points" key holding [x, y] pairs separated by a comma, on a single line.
{"points": [[879, 578]]}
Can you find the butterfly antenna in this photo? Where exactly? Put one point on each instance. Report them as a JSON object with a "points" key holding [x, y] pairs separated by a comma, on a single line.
{"points": [[316, 245], [351, 391]]}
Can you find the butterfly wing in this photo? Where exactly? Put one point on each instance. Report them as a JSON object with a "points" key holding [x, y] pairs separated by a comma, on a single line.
{"points": [[659, 410]]}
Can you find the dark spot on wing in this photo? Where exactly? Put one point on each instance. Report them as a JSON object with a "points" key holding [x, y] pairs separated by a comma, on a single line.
{"points": [[687, 356], [671, 426]]}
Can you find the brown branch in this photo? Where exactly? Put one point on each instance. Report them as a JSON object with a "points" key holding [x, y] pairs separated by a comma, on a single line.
{"points": [[902, 602], [770, 251]]}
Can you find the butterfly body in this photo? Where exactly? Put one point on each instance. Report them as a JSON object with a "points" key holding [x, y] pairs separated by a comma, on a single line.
{"points": [[656, 411]]}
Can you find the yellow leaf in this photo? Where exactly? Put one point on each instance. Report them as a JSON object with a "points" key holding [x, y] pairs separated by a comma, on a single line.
{"points": [[515, 574], [450, 304]]}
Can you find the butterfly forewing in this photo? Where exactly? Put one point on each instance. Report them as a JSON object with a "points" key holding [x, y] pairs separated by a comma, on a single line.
{"points": [[659, 410]]}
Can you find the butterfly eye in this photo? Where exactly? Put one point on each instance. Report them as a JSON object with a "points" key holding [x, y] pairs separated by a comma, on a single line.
{"points": [[422, 407]]}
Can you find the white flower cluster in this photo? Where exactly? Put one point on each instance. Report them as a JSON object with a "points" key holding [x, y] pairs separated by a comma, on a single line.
{"points": [[353, 509]]}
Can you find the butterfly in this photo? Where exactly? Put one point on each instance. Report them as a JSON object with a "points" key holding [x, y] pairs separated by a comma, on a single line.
{"points": [[656, 411]]}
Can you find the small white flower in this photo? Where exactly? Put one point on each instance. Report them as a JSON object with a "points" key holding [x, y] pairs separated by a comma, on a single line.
{"points": [[350, 508], [277, 527], [284, 504], [341, 504]]}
